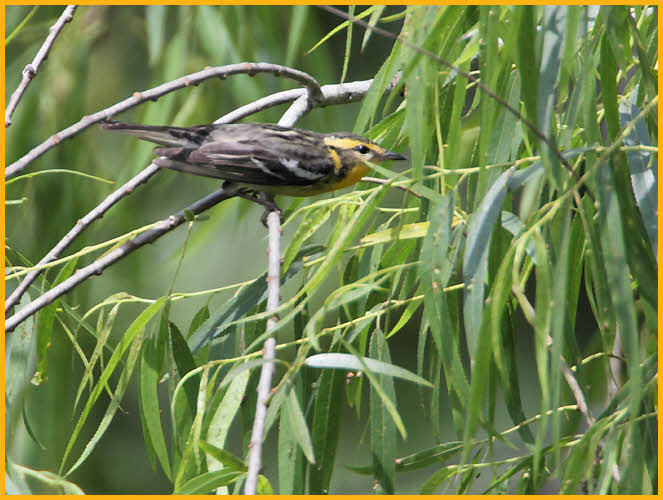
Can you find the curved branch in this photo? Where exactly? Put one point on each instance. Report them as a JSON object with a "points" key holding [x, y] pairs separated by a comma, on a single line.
{"points": [[333, 94], [261, 104], [251, 69], [342, 93], [30, 71], [98, 266]]}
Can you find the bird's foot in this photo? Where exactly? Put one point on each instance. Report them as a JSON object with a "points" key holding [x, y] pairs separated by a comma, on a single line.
{"points": [[264, 199]]}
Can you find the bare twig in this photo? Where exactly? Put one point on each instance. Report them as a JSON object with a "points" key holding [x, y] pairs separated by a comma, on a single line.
{"points": [[93, 215], [30, 71], [98, 266], [261, 104], [576, 390], [615, 366], [333, 94], [268, 354], [382, 182], [342, 93], [308, 81]]}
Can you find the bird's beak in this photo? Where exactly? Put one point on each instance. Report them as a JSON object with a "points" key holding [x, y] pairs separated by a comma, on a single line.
{"points": [[388, 155]]}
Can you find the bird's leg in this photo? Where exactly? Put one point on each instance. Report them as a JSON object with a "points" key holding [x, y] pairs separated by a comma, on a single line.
{"points": [[270, 206], [264, 199]]}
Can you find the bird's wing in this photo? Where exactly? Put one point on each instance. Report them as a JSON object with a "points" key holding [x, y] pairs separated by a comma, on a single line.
{"points": [[251, 162]]}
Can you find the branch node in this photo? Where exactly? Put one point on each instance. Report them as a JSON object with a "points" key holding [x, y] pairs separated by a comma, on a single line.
{"points": [[30, 71]]}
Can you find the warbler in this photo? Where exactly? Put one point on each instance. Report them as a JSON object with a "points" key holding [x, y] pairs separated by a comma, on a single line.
{"points": [[263, 157]]}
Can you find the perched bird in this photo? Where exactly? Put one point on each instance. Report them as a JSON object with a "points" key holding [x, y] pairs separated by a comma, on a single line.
{"points": [[261, 157]]}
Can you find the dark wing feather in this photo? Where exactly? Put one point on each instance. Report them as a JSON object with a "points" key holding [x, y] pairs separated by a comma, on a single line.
{"points": [[190, 137], [236, 171], [269, 161]]}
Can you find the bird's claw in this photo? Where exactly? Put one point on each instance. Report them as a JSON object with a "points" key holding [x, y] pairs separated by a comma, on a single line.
{"points": [[265, 214], [264, 199]]}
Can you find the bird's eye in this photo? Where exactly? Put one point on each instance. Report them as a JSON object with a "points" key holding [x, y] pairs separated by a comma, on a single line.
{"points": [[362, 149]]}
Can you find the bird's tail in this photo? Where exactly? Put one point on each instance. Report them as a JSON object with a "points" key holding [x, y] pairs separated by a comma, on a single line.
{"points": [[190, 137]]}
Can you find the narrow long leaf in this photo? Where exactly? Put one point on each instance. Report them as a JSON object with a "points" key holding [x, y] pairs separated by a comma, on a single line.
{"points": [[349, 362], [134, 329], [205, 483], [45, 322], [299, 427], [382, 426]]}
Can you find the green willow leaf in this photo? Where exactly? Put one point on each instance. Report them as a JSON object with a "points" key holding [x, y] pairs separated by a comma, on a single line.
{"points": [[350, 362]]}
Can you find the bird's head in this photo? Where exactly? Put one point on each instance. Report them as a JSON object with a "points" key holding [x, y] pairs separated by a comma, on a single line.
{"points": [[353, 149]]}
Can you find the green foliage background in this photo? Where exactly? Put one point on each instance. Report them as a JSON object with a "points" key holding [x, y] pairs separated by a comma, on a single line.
{"points": [[506, 269]]}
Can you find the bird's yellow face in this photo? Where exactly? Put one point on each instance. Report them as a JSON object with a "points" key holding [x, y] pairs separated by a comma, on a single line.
{"points": [[353, 150], [350, 154]]}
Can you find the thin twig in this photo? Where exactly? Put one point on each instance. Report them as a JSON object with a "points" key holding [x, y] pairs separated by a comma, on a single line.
{"points": [[78, 228], [576, 391], [333, 94], [261, 104], [98, 266], [616, 366], [342, 93], [152, 94], [30, 71], [377, 180], [268, 354]]}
